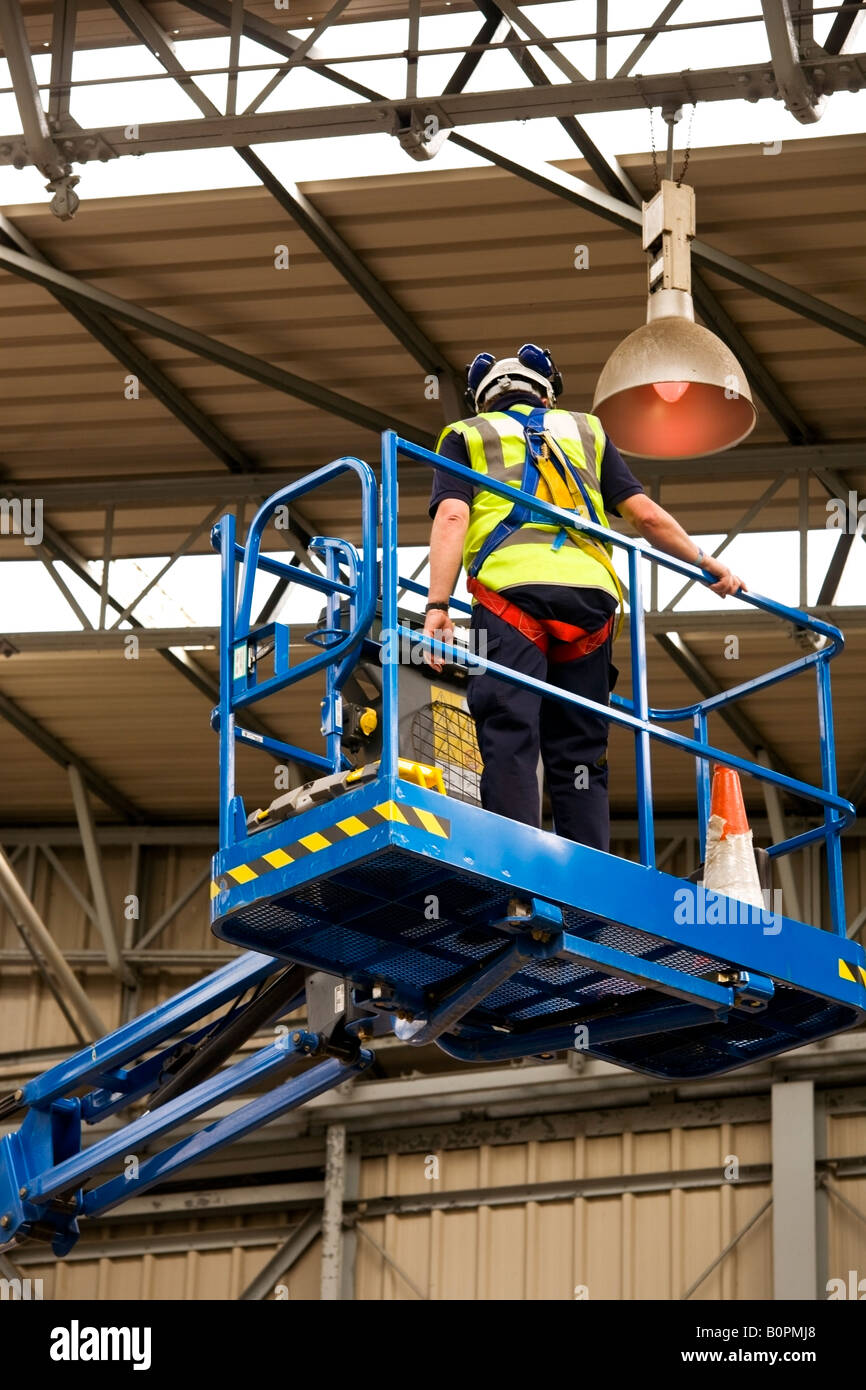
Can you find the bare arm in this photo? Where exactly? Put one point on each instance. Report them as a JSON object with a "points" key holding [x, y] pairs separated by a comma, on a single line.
{"points": [[446, 554], [664, 532]]}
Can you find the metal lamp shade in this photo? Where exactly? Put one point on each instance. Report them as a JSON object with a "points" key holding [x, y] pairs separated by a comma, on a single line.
{"points": [[715, 412]]}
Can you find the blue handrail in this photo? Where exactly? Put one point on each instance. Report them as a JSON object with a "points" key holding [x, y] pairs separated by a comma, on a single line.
{"points": [[350, 588], [637, 714], [237, 630]]}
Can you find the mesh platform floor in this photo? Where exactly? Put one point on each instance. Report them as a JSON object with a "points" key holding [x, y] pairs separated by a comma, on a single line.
{"points": [[374, 922]]}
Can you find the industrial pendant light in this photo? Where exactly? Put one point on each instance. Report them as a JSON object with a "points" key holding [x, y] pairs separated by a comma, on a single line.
{"points": [[672, 389]]}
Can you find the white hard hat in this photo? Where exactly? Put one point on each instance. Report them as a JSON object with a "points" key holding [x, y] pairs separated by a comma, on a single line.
{"points": [[510, 370]]}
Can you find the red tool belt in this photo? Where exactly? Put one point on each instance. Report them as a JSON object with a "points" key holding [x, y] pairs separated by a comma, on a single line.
{"points": [[559, 641]]}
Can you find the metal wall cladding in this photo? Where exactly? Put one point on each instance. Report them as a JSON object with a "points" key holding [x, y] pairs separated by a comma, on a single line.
{"points": [[630, 1245], [30, 1017], [220, 1274], [846, 1209]]}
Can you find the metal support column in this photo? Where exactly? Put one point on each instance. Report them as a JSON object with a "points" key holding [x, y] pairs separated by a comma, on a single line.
{"points": [[794, 1216], [822, 1200], [351, 1193], [332, 1215]]}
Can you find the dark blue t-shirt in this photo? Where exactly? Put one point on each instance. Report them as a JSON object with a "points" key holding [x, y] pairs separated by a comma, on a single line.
{"points": [[589, 608]]}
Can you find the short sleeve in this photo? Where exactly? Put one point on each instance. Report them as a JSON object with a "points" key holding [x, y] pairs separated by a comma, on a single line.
{"points": [[617, 480], [452, 446]]}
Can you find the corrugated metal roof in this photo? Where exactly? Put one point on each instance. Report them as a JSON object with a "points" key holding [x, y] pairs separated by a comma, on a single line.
{"points": [[478, 257]]}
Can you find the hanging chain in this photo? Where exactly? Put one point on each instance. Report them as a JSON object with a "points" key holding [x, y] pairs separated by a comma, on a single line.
{"points": [[643, 97], [688, 148]]}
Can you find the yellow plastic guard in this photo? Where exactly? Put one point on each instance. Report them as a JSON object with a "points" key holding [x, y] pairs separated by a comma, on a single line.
{"points": [[368, 722], [422, 775]]}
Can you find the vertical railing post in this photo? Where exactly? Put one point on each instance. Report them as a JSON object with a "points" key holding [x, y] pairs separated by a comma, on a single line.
{"points": [[332, 705], [646, 833], [226, 527], [835, 882], [702, 777], [390, 620]]}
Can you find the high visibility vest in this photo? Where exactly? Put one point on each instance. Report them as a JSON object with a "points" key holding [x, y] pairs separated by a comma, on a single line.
{"points": [[533, 553]]}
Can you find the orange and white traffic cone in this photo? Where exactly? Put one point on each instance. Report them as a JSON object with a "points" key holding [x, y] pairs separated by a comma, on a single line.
{"points": [[729, 861]]}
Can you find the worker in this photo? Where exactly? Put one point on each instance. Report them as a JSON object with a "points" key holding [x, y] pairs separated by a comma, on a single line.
{"points": [[545, 598]]}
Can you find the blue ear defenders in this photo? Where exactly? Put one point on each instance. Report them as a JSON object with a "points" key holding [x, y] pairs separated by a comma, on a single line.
{"points": [[539, 360], [535, 358], [475, 373]]}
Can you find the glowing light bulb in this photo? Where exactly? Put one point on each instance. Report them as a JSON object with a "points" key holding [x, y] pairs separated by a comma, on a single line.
{"points": [[670, 391]]}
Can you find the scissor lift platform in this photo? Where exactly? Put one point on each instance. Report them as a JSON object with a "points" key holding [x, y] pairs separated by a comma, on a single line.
{"points": [[406, 892], [401, 908]]}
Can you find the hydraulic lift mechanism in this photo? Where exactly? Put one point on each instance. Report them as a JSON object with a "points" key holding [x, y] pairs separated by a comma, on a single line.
{"points": [[382, 897]]}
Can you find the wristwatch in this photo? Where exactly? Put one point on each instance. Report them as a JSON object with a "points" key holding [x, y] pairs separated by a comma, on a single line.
{"points": [[431, 607], [700, 558]]}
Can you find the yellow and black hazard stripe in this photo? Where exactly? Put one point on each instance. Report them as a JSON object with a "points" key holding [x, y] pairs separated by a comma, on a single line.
{"points": [[332, 835], [846, 972]]}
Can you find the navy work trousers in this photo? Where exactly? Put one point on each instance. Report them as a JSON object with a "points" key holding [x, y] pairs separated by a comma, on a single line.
{"points": [[514, 725]]}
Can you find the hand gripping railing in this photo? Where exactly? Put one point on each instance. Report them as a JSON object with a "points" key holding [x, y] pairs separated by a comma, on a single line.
{"points": [[349, 582], [635, 714]]}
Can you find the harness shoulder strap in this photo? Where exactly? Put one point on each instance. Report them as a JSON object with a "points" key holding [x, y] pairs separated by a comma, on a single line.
{"points": [[519, 513]]}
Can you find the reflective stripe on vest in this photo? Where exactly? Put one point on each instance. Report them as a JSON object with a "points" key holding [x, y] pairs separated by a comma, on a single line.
{"points": [[535, 553]]}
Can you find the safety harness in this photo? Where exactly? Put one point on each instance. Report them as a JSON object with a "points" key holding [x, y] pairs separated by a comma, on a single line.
{"points": [[550, 476]]}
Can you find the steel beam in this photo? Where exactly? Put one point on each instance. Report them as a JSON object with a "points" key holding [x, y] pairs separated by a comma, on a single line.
{"points": [[69, 882], [835, 569], [612, 177], [644, 42], [42, 150], [805, 103], [744, 522], [93, 860], [62, 51], [298, 206], [42, 944], [723, 1254], [755, 461], [300, 53], [751, 81], [699, 622], [57, 579], [759, 376], [282, 1261], [844, 28], [173, 909]]}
